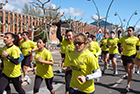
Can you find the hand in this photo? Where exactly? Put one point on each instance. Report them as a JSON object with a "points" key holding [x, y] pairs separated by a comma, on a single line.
{"points": [[103, 43], [82, 79], [122, 48], [39, 59], [109, 46], [65, 68], [29, 51], [5, 53]]}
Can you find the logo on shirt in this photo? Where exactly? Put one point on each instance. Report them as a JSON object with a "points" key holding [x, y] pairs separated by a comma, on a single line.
{"points": [[80, 63]]}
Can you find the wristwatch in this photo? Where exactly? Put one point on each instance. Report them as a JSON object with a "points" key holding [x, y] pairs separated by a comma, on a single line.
{"points": [[87, 78]]}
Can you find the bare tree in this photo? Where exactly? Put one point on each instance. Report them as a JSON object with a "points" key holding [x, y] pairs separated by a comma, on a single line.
{"points": [[2, 4], [79, 25], [71, 22], [31, 10], [47, 21], [98, 20]]}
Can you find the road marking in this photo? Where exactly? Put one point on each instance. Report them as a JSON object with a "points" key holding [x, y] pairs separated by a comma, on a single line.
{"points": [[118, 82], [44, 90]]}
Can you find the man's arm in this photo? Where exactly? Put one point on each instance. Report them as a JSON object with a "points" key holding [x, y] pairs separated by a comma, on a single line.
{"points": [[58, 33]]}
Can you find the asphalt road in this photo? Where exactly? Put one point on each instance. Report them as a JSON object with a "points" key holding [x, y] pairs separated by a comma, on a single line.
{"points": [[108, 83]]}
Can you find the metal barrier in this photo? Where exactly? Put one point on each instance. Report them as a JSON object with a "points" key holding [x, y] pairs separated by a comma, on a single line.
{"points": [[54, 48]]}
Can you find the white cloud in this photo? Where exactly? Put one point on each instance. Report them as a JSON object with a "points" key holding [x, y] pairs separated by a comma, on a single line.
{"points": [[51, 4], [72, 12], [137, 26], [15, 5], [96, 17]]}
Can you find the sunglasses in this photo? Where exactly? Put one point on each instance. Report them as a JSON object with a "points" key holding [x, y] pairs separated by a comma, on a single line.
{"points": [[79, 43], [129, 30]]}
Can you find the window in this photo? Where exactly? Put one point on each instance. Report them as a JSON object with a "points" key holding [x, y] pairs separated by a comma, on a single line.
{"points": [[6, 16], [1, 19], [11, 16]]}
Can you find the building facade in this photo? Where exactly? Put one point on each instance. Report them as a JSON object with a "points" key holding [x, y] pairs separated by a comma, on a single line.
{"points": [[17, 22]]}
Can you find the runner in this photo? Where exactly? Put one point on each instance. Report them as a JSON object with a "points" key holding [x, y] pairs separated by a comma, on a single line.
{"points": [[69, 46], [83, 63], [27, 47], [138, 67], [129, 46], [62, 54], [44, 61], [12, 67], [112, 44], [105, 51], [95, 49]]}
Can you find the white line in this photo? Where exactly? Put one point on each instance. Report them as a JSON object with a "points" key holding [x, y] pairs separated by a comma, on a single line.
{"points": [[44, 90], [118, 82]]}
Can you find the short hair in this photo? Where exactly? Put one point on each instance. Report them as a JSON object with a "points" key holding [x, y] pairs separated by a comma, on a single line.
{"points": [[112, 32], [69, 30], [20, 33], [26, 33], [87, 33], [138, 35], [91, 36], [131, 28]]}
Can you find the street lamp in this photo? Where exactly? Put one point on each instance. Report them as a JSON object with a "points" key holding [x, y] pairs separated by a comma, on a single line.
{"points": [[136, 23], [135, 13], [107, 15], [96, 9], [116, 14]]}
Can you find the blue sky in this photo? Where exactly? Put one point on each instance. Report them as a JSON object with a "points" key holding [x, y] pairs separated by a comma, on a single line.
{"points": [[85, 9]]}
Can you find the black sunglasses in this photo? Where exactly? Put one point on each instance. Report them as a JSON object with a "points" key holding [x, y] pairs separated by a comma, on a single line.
{"points": [[129, 30], [79, 43]]}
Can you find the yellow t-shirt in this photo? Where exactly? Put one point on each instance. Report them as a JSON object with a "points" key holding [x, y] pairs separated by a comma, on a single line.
{"points": [[69, 47], [62, 48], [82, 64], [138, 55], [129, 44], [95, 48], [10, 69], [26, 46], [44, 70], [113, 42], [104, 48]]}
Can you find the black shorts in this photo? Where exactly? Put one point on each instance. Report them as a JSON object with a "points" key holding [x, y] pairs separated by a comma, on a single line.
{"points": [[62, 55], [27, 61], [105, 52], [111, 56], [128, 59], [68, 75]]}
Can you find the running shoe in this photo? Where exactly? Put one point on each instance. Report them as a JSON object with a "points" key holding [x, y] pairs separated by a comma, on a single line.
{"points": [[27, 79], [115, 73], [125, 77], [103, 72], [133, 70], [138, 72], [127, 88], [60, 71]]}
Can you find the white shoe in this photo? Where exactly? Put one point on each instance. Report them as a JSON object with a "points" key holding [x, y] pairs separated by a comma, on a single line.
{"points": [[138, 72], [115, 73], [27, 78], [133, 70]]}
